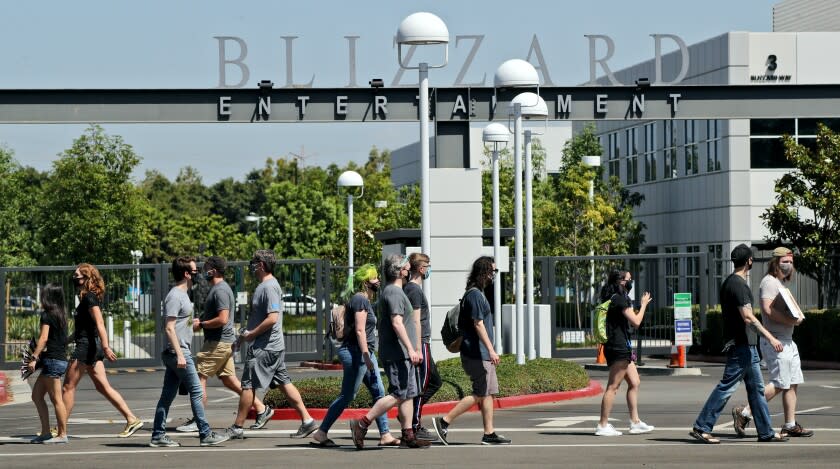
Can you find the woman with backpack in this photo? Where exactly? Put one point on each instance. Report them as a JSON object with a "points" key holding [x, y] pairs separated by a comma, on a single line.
{"points": [[51, 352], [357, 355], [618, 351]]}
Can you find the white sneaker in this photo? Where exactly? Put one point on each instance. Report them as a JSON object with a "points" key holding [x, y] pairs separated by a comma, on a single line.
{"points": [[640, 427], [607, 430]]}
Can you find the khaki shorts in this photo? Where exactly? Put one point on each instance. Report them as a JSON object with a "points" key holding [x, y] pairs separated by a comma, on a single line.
{"points": [[215, 359]]}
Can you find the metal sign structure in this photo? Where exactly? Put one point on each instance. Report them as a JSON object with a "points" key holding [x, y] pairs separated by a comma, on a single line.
{"points": [[266, 104]]}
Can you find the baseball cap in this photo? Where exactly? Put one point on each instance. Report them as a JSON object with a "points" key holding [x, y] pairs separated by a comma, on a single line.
{"points": [[782, 251], [741, 254]]}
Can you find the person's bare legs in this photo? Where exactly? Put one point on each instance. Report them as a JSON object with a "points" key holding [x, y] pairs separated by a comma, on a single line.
{"points": [[485, 404], [53, 386], [617, 372], [381, 406], [406, 410], [293, 396], [633, 382], [789, 403], [72, 376], [462, 406], [100, 381], [38, 392], [246, 400]]}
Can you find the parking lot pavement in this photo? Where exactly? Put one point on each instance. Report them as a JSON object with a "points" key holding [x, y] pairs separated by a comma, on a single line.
{"points": [[543, 435]]}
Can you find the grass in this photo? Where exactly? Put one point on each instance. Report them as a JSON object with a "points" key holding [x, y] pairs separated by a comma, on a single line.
{"points": [[536, 376]]}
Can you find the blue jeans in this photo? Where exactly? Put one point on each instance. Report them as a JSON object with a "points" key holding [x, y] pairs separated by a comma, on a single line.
{"points": [[742, 362], [355, 372], [171, 379]]}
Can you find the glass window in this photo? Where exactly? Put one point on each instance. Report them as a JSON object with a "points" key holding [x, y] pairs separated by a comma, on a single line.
{"points": [[613, 153], [632, 138], [672, 274], [713, 145], [669, 152], [772, 127], [716, 251], [692, 273], [768, 153], [809, 126], [650, 151]]}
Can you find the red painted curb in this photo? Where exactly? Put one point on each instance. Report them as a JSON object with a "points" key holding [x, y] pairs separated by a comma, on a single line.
{"points": [[322, 366], [593, 389], [4, 396]]}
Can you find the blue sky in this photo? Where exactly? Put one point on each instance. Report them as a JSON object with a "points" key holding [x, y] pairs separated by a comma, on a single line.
{"points": [[170, 44]]}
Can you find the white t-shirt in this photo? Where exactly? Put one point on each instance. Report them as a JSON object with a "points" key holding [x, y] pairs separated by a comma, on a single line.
{"points": [[769, 290]]}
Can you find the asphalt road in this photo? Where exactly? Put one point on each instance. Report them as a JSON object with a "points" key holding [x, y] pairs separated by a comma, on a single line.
{"points": [[543, 435]]}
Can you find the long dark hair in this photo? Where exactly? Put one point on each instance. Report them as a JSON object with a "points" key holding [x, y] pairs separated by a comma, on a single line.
{"points": [[480, 273], [613, 285], [52, 302]]}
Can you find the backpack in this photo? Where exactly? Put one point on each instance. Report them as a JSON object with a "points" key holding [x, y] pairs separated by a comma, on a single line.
{"points": [[600, 330], [450, 333], [338, 329]]}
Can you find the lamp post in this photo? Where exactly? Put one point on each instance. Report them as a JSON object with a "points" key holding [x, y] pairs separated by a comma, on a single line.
{"points": [[137, 255], [415, 30], [517, 73], [498, 135], [252, 217], [350, 179], [531, 106], [592, 162]]}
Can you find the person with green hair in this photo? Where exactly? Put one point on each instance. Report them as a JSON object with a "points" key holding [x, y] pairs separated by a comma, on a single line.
{"points": [[357, 355]]}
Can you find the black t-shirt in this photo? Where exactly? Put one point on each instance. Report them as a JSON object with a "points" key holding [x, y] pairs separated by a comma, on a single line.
{"points": [[618, 328], [85, 325], [735, 293], [359, 302], [475, 307], [418, 301], [56, 339]]}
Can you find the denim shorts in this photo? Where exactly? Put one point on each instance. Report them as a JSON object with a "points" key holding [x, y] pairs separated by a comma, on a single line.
{"points": [[53, 368]]}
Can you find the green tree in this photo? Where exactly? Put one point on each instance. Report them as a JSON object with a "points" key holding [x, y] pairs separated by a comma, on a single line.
{"points": [[806, 213], [20, 188], [91, 211]]}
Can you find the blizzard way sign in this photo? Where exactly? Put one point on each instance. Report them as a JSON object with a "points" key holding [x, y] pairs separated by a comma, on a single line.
{"points": [[682, 319]]}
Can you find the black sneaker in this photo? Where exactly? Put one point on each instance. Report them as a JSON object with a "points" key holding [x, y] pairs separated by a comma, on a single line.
{"points": [[441, 428], [263, 418], [421, 433], [494, 439]]}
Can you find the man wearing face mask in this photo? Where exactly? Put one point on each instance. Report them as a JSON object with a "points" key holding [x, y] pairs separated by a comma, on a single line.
{"points": [[430, 382], [784, 367], [265, 363], [740, 329]]}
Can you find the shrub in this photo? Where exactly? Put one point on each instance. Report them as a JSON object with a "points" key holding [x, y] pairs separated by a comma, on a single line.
{"points": [[536, 376]]}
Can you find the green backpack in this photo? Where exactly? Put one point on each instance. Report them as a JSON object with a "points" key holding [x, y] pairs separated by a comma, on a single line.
{"points": [[600, 332]]}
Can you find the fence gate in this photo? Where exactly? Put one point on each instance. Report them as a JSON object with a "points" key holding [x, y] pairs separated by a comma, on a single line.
{"points": [[133, 303]]}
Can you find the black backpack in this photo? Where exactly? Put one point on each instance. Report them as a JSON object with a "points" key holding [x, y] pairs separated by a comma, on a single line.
{"points": [[450, 333]]}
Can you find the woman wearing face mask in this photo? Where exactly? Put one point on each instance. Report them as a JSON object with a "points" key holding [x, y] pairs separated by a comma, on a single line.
{"points": [[618, 352], [357, 355], [92, 347]]}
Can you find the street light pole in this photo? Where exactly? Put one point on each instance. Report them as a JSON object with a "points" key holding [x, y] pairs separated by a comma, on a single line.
{"points": [[529, 246], [593, 162], [350, 233], [350, 180], [496, 134], [517, 221]]}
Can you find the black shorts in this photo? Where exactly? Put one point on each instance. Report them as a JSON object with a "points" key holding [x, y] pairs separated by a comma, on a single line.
{"points": [[617, 354], [88, 353]]}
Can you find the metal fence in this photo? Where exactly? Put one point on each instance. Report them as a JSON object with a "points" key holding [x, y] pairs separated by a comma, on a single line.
{"points": [[133, 304]]}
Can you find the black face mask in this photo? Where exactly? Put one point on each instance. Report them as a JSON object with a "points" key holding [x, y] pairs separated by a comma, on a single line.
{"points": [[628, 285], [374, 287]]}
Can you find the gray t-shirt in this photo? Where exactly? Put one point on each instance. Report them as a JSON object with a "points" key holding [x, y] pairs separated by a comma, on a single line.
{"points": [[769, 290], [178, 305], [359, 302], [267, 300], [393, 302], [418, 301], [219, 297]]}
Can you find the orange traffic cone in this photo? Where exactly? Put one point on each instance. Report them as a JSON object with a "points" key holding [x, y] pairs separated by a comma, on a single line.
{"points": [[675, 357], [601, 359], [681, 355]]}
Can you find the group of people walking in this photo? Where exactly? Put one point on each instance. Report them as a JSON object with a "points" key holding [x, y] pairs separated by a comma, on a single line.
{"points": [[741, 333], [398, 327]]}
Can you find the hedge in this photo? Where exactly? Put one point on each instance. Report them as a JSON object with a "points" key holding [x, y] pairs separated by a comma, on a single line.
{"points": [[536, 376]]}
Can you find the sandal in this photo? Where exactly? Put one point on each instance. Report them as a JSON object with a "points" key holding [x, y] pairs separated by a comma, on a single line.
{"points": [[328, 443], [776, 438], [703, 436], [394, 442]]}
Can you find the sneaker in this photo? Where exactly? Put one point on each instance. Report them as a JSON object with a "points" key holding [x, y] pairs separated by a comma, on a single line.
{"points": [[739, 421], [441, 428], [606, 430], [163, 442], [494, 439], [262, 418], [40, 439], [357, 433], [640, 427], [189, 426], [56, 440], [421, 433], [305, 429], [131, 428], [235, 433], [214, 439], [795, 431]]}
